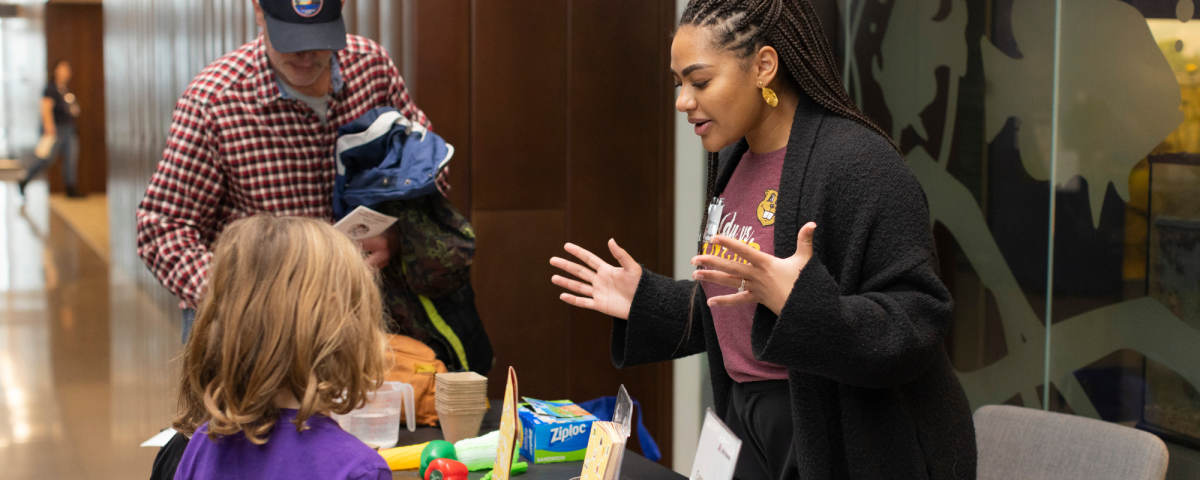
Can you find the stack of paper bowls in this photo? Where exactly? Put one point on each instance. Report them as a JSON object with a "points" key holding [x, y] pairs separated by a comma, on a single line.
{"points": [[461, 401]]}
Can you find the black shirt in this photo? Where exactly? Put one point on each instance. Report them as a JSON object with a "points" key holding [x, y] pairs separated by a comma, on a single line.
{"points": [[167, 460], [65, 108]]}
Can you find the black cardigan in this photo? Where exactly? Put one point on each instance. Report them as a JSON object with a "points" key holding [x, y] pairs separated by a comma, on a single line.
{"points": [[873, 393]]}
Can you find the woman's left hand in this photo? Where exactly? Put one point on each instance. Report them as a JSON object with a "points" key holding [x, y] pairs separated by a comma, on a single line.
{"points": [[768, 279]]}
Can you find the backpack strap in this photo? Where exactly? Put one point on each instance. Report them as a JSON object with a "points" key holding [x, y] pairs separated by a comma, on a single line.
{"points": [[443, 328], [649, 446]]}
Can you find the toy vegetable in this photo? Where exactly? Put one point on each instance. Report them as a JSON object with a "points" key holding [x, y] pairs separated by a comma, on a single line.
{"points": [[403, 458], [435, 450], [446, 469]]}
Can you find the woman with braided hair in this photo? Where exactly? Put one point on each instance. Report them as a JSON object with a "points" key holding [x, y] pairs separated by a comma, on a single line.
{"points": [[825, 343]]}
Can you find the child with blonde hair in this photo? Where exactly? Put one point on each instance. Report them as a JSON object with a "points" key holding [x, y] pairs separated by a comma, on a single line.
{"points": [[290, 330]]}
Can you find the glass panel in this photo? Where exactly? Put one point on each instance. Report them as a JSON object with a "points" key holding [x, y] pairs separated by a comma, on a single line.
{"points": [[1119, 100], [967, 89], [1163, 237], [1129, 165], [964, 88]]}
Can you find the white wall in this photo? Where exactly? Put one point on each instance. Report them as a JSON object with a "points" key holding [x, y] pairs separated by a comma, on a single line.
{"points": [[23, 78], [689, 398]]}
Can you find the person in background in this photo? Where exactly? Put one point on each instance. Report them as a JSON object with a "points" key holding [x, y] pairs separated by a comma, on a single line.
{"points": [[291, 330], [818, 298], [60, 113], [255, 132]]}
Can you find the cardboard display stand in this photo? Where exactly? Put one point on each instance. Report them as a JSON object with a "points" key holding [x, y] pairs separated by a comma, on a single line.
{"points": [[606, 446], [508, 430]]}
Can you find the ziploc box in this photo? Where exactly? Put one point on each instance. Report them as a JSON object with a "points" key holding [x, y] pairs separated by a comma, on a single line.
{"points": [[551, 440]]}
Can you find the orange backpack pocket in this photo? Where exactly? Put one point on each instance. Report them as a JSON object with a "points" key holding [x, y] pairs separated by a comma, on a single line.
{"points": [[414, 363]]}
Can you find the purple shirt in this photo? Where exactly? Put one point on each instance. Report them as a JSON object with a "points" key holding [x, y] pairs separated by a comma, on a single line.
{"points": [[323, 451], [749, 216]]}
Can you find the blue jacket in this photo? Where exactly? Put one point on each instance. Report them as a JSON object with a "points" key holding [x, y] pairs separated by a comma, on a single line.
{"points": [[389, 164], [384, 156]]}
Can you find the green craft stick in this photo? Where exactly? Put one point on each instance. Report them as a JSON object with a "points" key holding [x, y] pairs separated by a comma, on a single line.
{"points": [[517, 469]]}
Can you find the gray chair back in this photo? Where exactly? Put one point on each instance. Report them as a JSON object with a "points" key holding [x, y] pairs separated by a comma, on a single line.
{"points": [[1023, 443]]}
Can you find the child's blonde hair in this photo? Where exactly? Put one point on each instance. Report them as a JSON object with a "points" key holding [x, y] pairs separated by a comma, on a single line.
{"points": [[291, 306]]}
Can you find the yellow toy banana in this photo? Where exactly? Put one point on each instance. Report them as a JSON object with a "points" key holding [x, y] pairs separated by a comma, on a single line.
{"points": [[403, 458]]}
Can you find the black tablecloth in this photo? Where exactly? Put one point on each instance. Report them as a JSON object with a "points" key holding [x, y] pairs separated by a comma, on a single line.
{"points": [[634, 466]]}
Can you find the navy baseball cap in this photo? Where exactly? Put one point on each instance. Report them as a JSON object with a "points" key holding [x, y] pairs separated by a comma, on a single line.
{"points": [[300, 25]]}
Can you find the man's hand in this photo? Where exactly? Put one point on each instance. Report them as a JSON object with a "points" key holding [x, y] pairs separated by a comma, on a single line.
{"points": [[376, 251]]}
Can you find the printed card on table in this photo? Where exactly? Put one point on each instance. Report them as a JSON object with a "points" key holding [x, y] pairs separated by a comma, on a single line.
{"points": [[508, 430], [717, 453], [364, 223]]}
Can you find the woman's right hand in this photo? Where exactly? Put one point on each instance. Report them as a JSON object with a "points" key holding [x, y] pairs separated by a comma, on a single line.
{"points": [[604, 288]]}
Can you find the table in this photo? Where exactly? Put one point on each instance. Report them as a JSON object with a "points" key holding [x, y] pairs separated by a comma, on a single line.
{"points": [[633, 467]]}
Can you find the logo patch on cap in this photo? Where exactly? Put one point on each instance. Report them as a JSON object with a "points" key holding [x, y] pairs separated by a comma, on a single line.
{"points": [[308, 8]]}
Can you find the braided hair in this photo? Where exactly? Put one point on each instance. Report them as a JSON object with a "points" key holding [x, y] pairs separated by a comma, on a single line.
{"points": [[792, 28]]}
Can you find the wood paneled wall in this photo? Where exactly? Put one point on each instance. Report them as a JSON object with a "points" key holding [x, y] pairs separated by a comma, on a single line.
{"points": [[589, 158], [75, 33], [561, 115]]}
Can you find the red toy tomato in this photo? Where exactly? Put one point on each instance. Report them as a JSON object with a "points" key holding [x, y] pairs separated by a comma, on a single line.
{"points": [[446, 469]]}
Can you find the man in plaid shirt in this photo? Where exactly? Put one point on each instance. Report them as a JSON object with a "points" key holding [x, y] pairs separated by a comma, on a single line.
{"points": [[255, 132]]}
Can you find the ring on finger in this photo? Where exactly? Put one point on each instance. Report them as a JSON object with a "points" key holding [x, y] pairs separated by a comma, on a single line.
{"points": [[742, 287]]}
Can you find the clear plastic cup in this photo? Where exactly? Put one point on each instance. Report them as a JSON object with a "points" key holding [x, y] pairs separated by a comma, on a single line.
{"points": [[378, 423]]}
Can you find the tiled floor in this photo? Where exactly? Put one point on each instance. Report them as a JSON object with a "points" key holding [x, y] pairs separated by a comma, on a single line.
{"points": [[88, 217], [85, 359]]}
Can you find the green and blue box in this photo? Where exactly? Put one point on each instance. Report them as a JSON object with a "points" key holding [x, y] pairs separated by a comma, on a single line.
{"points": [[551, 440]]}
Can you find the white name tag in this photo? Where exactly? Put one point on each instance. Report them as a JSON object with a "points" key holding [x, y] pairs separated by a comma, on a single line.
{"points": [[717, 453], [715, 209]]}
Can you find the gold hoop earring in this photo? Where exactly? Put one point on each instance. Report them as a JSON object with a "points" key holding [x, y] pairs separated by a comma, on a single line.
{"points": [[769, 95]]}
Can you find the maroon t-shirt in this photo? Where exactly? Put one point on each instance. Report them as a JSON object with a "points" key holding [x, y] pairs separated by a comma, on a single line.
{"points": [[749, 216]]}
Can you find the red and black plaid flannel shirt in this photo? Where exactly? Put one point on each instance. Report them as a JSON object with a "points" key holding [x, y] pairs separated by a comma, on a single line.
{"points": [[237, 148]]}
